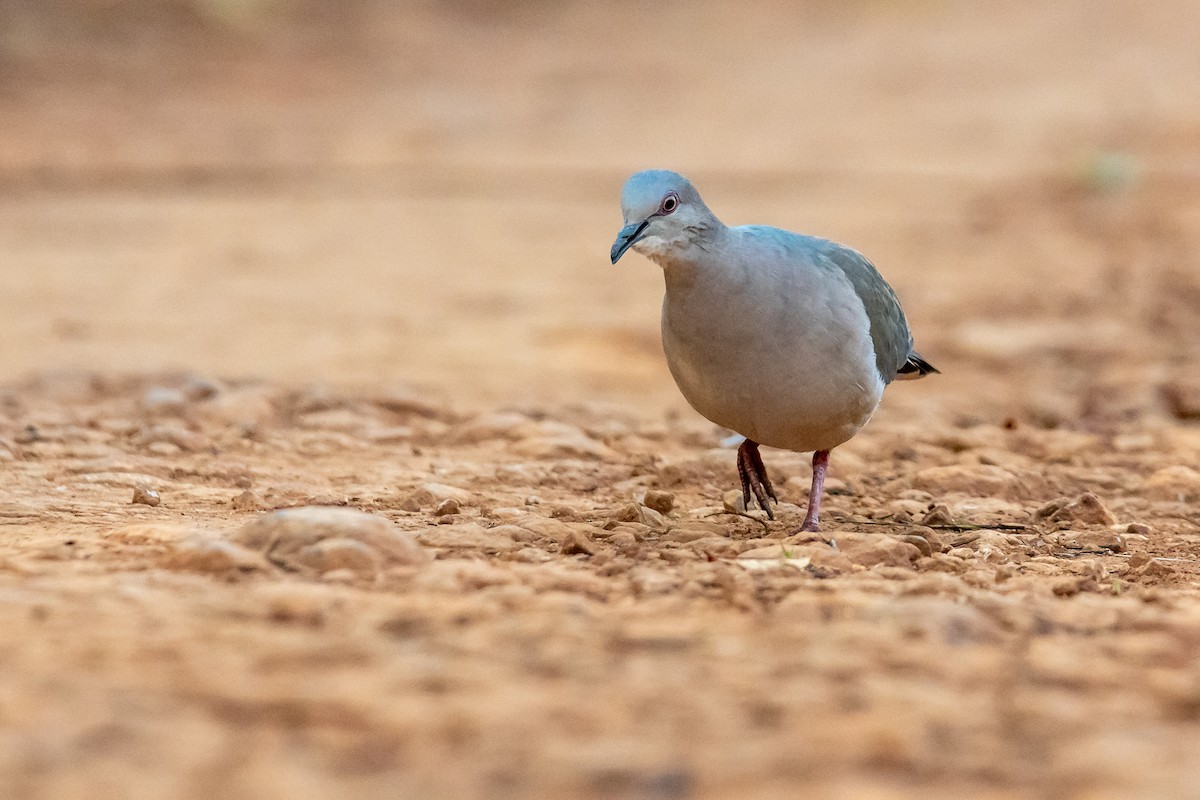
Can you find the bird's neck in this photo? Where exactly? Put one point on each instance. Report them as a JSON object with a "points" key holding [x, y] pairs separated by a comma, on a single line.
{"points": [[684, 257], [685, 262]]}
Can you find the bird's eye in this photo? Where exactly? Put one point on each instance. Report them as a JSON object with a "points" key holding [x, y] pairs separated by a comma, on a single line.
{"points": [[669, 203]]}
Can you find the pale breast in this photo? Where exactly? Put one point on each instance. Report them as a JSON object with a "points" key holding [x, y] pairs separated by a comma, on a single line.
{"points": [[777, 352]]}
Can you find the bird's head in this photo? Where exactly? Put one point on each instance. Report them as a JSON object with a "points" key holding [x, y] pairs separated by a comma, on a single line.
{"points": [[663, 212]]}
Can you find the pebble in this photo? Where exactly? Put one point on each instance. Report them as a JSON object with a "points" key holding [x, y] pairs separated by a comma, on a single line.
{"points": [[660, 501], [467, 536], [201, 553], [577, 543], [919, 542], [281, 535], [1086, 509], [623, 540], [447, 506], [246, 501], [429, 495], [734, 502], [685, 534], [144, 495], [635, 512], [868, 550], [1092, 540], [336, 554], [938, 515], [713, 547]]}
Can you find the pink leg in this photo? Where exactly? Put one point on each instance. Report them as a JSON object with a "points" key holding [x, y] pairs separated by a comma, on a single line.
{"points": [[820, 464]]}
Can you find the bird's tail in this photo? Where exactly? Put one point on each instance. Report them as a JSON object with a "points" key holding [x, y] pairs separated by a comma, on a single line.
{"points": [[915, 367]]}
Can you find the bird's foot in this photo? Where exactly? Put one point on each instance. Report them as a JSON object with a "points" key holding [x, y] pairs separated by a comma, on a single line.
{"points": [[812, 516], [755, 483]]}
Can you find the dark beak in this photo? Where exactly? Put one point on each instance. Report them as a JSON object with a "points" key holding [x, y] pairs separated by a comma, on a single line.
{"points": [[628, 236]]}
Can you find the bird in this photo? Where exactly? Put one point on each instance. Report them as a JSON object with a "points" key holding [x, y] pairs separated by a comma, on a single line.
{"points": [[786, 339]]}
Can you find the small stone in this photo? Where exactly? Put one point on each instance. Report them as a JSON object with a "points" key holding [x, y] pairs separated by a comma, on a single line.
{"points": [[713, 547], [734, 502], [938, 515], [869, 550], [329, 555], [577, 543], [1086, 509], [635, 512], [281, 535], [144, 495], [467, 536], [919, 542], [660, 501], [429, 495], [1138, 528], [1152, 568], [553, 529], [685, 534], [447, 506], [246, 501], [204, 554]]}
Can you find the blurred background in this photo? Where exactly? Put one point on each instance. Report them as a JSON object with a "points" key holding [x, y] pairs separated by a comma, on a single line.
{"points": [[374, 192]]}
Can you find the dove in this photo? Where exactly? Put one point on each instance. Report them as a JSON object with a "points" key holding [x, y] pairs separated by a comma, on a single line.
{"points": [[787, 339]]}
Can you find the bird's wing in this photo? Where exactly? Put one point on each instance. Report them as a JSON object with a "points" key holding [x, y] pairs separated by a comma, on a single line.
{"points": [[889, 329]]}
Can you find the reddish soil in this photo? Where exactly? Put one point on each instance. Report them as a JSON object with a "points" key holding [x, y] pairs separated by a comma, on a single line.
{"points": [[257, 257]]}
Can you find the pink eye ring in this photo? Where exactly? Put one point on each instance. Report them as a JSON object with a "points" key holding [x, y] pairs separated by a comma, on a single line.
{"points": [[669, 203]]}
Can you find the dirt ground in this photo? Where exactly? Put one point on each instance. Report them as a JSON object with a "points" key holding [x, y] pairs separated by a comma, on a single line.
{"points": [[255, 256]]}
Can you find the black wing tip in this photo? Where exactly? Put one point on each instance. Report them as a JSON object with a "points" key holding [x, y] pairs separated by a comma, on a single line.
{"points": [[916, 367]]}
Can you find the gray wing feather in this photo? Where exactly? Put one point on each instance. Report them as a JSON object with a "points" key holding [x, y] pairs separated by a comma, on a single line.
{"points": [[889, 329]]}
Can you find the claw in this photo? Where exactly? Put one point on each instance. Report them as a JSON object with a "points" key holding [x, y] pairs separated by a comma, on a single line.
{"points": [[753, 473]]}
